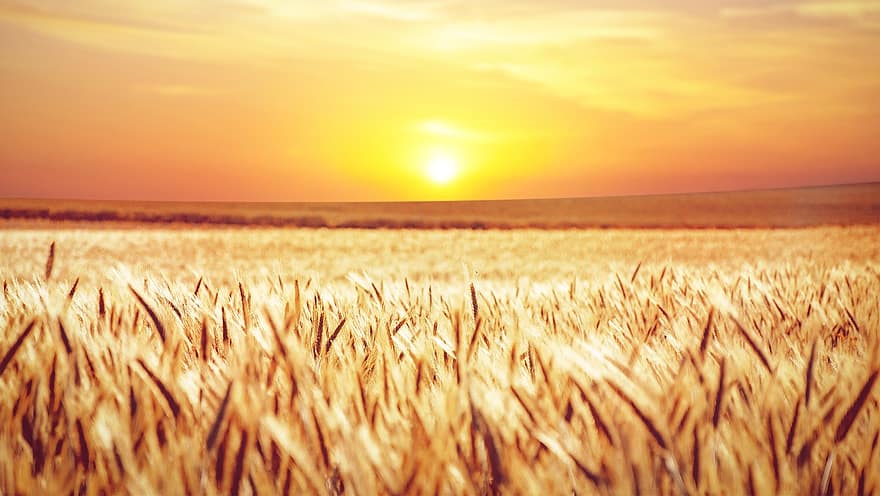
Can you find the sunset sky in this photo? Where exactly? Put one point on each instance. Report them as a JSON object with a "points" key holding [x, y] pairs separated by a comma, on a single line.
{"points": [[333, 100]]}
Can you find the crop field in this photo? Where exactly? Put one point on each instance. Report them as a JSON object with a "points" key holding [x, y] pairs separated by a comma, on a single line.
{"points": [[170, 360]]}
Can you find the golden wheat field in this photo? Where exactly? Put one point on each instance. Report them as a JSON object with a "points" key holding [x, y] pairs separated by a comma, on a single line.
{"points": [[321, 361]]}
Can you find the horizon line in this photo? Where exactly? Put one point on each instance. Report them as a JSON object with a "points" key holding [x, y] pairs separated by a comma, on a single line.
{"points": [[381, 202]]}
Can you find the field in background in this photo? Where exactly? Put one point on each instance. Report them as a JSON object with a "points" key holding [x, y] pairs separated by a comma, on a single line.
{"points": [[835, 205], [180, 361]]}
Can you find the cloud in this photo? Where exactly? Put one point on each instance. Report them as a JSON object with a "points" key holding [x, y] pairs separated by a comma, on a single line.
{"points": [[129, 31], [442, 129], [89, 13], [839, 8], [857, 11], [641, 56], [390, 11]]}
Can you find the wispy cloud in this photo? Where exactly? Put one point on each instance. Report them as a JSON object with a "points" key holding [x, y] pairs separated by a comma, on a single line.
{"points": [[853, 10], [391, 11], [128, 30], [96, 14], [442, 129]]}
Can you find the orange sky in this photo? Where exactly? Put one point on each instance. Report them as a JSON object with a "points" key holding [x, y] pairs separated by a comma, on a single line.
{"points": [[295, 100]]}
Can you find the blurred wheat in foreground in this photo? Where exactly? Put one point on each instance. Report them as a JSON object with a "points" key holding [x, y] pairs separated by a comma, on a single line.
{"points": [[663, 377]]}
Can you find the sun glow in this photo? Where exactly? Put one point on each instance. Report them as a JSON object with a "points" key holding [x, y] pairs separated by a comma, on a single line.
{"points": [[442, 168]]}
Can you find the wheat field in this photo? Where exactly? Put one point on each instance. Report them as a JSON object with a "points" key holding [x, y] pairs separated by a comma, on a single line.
{"points": [[321, 361]]}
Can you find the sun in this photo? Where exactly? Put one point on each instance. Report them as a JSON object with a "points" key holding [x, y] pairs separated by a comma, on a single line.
{"points": [[442, 168]]}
